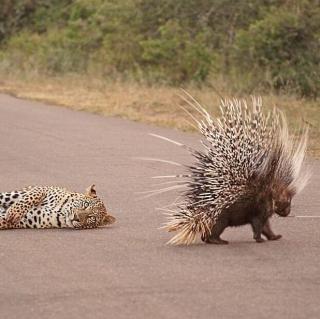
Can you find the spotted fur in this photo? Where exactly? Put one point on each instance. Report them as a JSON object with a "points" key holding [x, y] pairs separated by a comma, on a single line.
{"points": [[52, 207]]}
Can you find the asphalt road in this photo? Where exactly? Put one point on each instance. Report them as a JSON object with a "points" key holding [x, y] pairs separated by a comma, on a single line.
{"points": [[126, 270]]}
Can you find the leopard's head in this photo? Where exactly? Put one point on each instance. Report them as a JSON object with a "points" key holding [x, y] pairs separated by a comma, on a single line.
{"points": [[90, 211]]}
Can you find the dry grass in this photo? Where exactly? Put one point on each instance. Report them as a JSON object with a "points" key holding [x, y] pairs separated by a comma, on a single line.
{"points": [[157, 105]]}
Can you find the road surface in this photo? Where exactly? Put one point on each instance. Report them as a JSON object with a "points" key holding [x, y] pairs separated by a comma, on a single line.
{"points": [[126, 270]]}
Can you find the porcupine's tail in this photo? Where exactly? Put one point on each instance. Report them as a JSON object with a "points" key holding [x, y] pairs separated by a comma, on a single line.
{"points": [[188, 224]]}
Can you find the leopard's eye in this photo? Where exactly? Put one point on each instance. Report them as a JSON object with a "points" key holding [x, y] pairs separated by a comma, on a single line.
{"points": [[85, 204]]}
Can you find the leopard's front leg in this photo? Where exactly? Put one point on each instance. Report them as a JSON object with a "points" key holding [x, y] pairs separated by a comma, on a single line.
{"points": [[3, 222], [19, 209]]}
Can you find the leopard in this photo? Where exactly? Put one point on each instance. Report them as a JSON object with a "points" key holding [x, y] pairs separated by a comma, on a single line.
{"points": [[53, 207]]}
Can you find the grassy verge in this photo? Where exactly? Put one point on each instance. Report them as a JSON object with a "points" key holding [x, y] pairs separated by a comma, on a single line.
{"points": [[158, 105]]}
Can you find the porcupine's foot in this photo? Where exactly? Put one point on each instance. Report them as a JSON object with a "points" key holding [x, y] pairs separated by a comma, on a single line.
{"points": [[270, 235], [216, 231], [275, 237], [218, 241], [214, 240], [259, 240]]}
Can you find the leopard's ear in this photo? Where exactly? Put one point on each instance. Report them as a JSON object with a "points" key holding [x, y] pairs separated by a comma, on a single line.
{"points": [[90, 191], [107, 220]]}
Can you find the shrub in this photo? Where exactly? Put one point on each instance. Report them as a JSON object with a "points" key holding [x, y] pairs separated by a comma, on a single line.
{"points": [[282, 51]]}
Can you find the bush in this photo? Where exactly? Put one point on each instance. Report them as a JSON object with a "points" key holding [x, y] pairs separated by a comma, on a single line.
{"points": [[282, 51], [264, 44], [175, 55]]}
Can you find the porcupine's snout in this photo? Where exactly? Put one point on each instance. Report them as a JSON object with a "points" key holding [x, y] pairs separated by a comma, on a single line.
{"points": [[282, 206], [282, 203], [282, 209]]}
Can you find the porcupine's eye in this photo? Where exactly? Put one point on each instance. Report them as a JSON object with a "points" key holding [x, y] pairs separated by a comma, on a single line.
{"points": [[282, 208]]}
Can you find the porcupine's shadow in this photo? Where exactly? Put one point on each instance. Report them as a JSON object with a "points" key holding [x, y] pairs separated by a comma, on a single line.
{"points": [[232, 243]]}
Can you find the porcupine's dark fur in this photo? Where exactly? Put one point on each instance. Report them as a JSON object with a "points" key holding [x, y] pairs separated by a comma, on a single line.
{"points": [[249, 170]]}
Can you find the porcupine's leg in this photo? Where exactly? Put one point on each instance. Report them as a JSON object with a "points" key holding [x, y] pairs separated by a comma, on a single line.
{"points": [[216, 231], [260, 220], [266, 231], [257, 224]]}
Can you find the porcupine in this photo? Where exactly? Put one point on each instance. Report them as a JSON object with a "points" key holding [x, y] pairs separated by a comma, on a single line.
{"points": [[250, 169]]}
